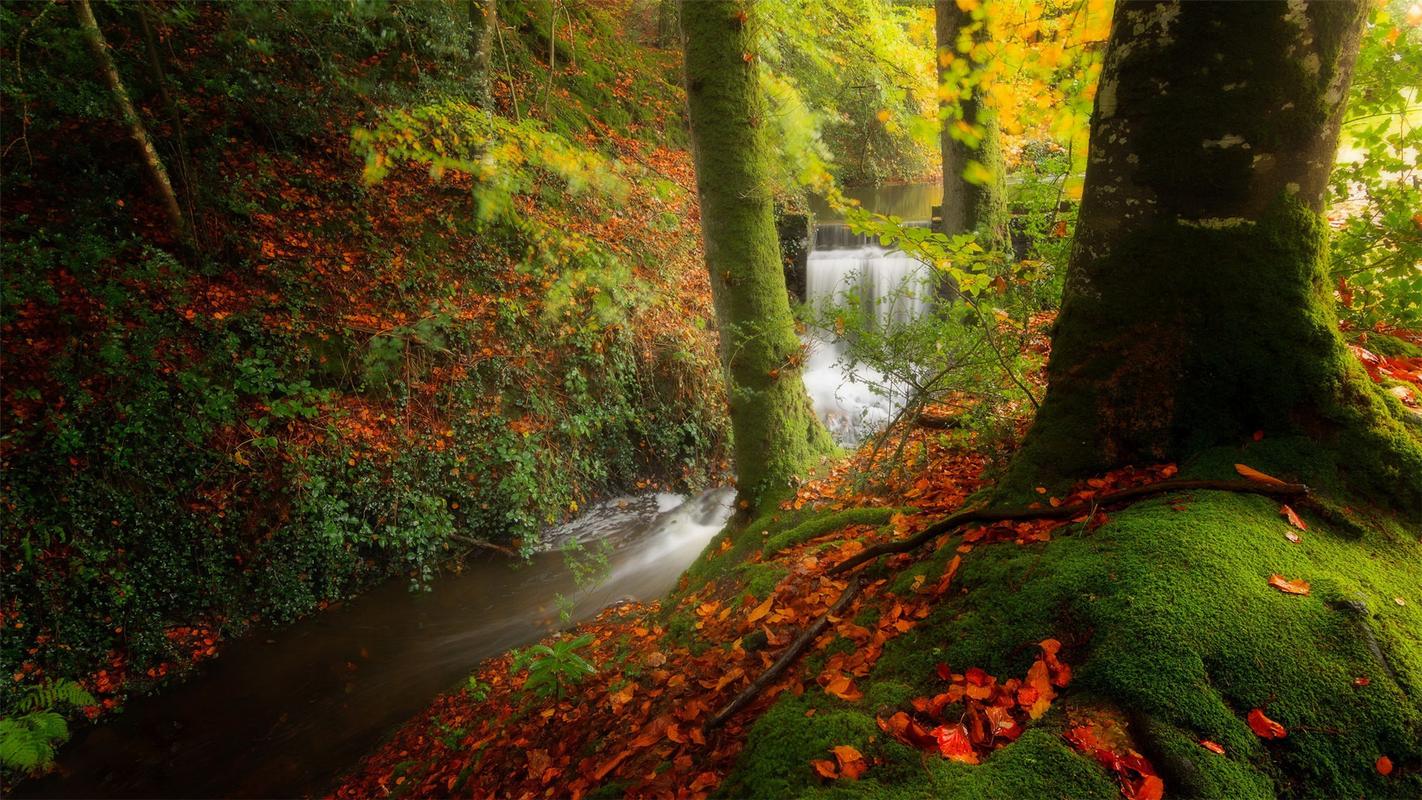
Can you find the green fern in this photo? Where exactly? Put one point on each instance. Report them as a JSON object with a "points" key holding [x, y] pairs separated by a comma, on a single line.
{"points": [[28, 740]]}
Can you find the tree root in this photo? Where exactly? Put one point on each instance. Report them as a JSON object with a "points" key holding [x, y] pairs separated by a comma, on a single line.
{"points": [[958, 520], [791, 654], [962, 518]]}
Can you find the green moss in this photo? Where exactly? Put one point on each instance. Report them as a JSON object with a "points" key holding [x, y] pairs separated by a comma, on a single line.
{"points": [[820, 525], [761, 579], [1391, 346], [1167, 615], [1137, 374]]}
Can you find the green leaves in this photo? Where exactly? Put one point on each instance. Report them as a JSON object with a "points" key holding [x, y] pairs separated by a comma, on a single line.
{"points": [[504, 158], [552, 669], [27, 741]]}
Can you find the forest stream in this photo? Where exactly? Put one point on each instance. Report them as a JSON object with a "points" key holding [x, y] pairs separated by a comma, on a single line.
{"points": [[283, 713]]}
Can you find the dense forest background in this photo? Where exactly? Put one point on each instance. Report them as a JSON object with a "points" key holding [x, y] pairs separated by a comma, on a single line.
{"points": [[392, 329]]}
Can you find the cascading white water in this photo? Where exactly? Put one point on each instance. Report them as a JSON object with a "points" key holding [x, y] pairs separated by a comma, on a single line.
{"points": [[890, 289]]}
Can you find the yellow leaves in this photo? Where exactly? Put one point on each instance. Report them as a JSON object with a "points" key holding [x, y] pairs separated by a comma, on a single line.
{"points": [[968, 6], [883, 115], [976, 173]]}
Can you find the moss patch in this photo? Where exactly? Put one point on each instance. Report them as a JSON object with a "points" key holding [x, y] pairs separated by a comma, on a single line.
{"points": [[1168, 615], [820, 525]]}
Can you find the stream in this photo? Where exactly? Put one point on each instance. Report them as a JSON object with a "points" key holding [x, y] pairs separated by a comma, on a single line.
{"points": [[284, 713]]}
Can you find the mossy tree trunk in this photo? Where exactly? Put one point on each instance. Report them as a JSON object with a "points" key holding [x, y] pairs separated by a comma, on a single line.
{"points": [[1197, 308], [969, 205], [668, 24], [482, 19], [777, 435], [148, 156]]}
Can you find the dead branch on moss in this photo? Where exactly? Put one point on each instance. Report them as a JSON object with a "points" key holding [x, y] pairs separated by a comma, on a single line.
{"points": [[791, 654], [962, 518]]}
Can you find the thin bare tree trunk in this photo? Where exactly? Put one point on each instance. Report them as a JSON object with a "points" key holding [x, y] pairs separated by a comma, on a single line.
{"points": [[157, 173]]}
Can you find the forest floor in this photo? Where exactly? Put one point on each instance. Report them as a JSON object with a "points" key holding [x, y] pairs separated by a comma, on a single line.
{"points": [[1104, 654]]}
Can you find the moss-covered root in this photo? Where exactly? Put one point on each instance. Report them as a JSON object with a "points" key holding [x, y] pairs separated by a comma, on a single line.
{"points": [[777, 436], [1167, 613]]}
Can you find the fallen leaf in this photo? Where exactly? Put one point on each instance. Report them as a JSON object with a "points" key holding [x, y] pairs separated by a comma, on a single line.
{"points": [[843, 688], [1264, 727], [764, 608], [1287, 586], [1362, 681], [1255, 475], [1384, 765], [1292, 517], [851, 763], [1151, 787], [825, 768], [953, 743], [1293, 537], [1213, 747]]}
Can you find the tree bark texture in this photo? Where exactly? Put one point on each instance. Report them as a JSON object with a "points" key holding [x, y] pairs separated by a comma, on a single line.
{"points": [[148, 156], [1197, 308], [776, 432], [483, 16], [968, 206]]}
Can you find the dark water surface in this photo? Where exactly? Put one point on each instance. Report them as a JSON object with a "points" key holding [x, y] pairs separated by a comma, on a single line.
{"points": [[284, 713]]}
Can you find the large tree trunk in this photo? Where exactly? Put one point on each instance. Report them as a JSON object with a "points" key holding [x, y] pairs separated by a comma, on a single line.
{"points": [[1197, 309], [968, 205], [777, 434], [482, 19], [152, 164]]}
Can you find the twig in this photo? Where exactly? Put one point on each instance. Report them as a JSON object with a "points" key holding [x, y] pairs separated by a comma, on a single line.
{"points": [[791, 654], [965, 517]]}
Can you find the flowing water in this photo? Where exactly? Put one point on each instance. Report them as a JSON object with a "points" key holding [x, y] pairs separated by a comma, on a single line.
{"points": [[886, 289], [284, 714]]}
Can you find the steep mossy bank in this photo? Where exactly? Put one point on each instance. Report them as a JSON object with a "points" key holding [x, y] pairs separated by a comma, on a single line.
{"points": [[1166, 615]]}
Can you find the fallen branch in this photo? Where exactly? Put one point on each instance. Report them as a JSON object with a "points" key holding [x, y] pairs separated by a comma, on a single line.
{"points": [[791, 654], [962, 518], [938, 422], [486, 544]]}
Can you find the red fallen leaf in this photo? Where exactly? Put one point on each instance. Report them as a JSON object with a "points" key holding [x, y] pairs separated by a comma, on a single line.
{"points": [[1264, 727], [1026, 696], [977, 676], [1213, 747], [1255, 475], [1258, 436], [1362, 681], [1287, 586], [943, 672], [953, 743], [1384, 765], [1292, 517], [825, 768], [1151, 787]]}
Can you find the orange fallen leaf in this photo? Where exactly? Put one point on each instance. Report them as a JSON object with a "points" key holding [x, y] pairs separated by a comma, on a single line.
{"points": [[1151, 787], [1255, 475], [843, 687], [764, 608], [1213, 747], [1292, 517], [1287, 586], [851, 762], [1264, 727], [1384, 765], [825, 768]]}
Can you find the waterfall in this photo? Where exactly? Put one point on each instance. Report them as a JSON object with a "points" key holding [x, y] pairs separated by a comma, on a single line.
{"points": [[888, 289]]}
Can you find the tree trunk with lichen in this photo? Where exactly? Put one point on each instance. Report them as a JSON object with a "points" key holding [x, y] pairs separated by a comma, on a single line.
{"points": [[777, 435], [968, 204], [148, 156], [482, 19], [1197, 309]]}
